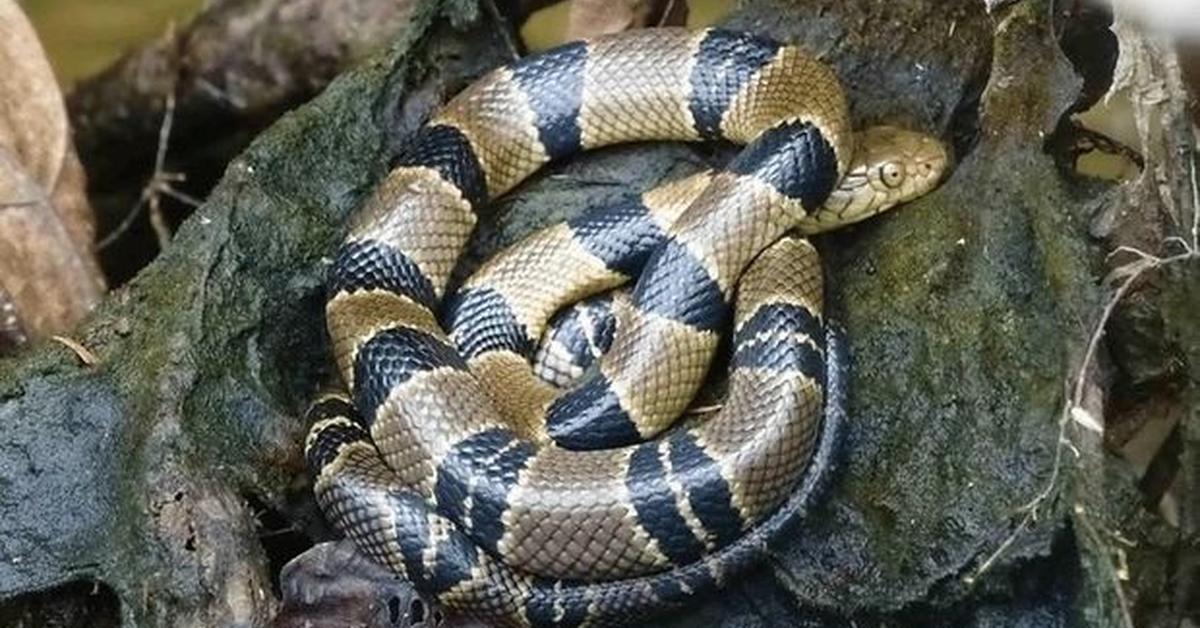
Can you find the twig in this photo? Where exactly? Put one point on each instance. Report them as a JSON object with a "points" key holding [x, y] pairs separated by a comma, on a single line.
{"points": [[121, 228], [289, 529], [986, 565], [157, 180], [161, 184], [182, 197], [505, 28], [1195, 209], [662, 19]]}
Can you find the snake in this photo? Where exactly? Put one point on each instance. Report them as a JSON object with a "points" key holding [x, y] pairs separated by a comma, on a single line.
{"points": [[523, 503]]}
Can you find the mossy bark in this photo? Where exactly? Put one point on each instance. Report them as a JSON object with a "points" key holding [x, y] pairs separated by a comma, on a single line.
{"points": [[135, 473]]}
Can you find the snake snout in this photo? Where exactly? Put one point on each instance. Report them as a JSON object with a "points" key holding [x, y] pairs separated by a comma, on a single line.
{"points": [[928, 162], [932, 156]]}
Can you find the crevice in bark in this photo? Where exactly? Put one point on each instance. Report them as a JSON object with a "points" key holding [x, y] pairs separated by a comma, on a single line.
{"points": [[964, 121], [1084, 35], [77, 604], [1085, 38], [282, 539]]}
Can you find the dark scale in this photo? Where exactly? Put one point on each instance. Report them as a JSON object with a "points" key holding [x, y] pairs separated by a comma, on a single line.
{"points": [[724, 63], [568, 330], [656, 508], [782, 351], [590, 417], [621, 235], [411, 517], [480, 320], [331, 408], [785, 316], [448, 151], [553, 83], [373, 265], [707, 491], [392, 356], [455, 556], [585, 329], [332, 439], [795, 159], [605, 323], [453, 476], [676, 285], [484, 467], [684, 584], [489, 500], [546, 607]]}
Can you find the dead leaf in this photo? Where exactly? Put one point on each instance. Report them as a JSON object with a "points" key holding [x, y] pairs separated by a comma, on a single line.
{"points": [[589, 18], [47, 264], [84, 354], [1147, 72], [33, 123], [1149, 76]]}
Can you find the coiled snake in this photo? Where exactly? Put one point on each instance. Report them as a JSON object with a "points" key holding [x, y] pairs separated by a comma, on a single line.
{"points": [[500, 495]]}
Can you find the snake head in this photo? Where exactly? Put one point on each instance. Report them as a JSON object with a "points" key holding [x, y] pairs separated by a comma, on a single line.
{"points": [[890, 166]]}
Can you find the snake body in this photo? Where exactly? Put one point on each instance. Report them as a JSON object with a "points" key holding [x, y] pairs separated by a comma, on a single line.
{"points": [[504, 497]]}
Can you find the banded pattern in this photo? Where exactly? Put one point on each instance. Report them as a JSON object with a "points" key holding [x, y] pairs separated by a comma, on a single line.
{"points": [[576, 337], [634, 86], [517, 503], [680, 488], [605, 246], [501, 310]]}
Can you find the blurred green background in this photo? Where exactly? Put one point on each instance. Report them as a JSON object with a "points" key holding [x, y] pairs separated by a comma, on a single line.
{"points": [[81, 37]]}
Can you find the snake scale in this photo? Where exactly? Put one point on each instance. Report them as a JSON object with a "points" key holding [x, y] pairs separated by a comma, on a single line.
{"points": [[507, 498]]}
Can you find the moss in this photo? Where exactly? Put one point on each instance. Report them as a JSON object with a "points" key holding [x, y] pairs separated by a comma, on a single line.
{"points": [[205, 358]]}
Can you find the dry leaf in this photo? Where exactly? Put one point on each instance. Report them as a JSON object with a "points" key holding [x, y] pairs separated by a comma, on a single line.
{"points": [[1146, 72], [1086, 419], [47, 265], [1149, 75], [85, 355], [589, 18]]}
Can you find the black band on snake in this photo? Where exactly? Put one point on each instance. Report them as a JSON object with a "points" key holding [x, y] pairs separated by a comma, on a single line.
{"points": [[505, 497]]}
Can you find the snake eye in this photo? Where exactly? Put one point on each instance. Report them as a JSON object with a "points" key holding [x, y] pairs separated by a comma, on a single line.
{"points": [[892, 174]]}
